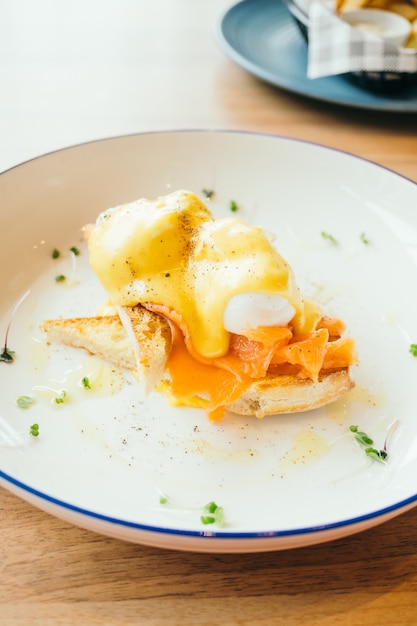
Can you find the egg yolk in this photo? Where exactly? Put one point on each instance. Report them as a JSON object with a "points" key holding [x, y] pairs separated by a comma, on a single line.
{"points": [[172, 252]]}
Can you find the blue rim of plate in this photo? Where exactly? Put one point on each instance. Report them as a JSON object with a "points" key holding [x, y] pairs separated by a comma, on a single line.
{"points": [[396, 508], [261, 37], [391, 510]]}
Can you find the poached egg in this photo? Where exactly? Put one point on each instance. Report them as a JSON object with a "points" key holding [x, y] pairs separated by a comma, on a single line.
{"points": [[221, 276]]}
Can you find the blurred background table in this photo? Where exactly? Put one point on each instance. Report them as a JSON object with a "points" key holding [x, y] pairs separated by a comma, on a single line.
{"points": [[79, 71]]}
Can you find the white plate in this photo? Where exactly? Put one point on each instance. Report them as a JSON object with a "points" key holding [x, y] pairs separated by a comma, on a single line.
{"points": [[103, 460]]}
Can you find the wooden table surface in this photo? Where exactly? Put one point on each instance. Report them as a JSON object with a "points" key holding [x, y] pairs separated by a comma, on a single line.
{"points": [[84, 70]]}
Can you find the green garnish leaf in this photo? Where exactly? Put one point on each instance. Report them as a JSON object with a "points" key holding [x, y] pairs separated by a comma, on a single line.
{"points": [[233, 206], [211, 507], [7, 355], [361, 437], [163, 500], [209, 193], [34, 430], [376, 455], [328, 237], [60, 398], [85, 381], [364, 238], [75, 250], [413, 349], [23, 402], [60, 278], [56, 253], [364, 440], [212, 514]]}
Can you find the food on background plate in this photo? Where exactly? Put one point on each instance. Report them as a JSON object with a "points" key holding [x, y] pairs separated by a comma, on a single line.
{"points": [[208, 312], [405, 8]]}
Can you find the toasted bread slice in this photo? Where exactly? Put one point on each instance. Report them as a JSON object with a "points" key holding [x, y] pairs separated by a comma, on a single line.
{"points": [[151, 337], [142, 344], [290, 394], [103, 336]]}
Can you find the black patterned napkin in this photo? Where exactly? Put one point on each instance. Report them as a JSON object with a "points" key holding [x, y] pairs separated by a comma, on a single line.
{"points": [[336, 48]]}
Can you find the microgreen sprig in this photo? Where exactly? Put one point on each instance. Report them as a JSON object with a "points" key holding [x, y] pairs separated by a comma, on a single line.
{"points": [[376, 455], [365, 441], [328, 237], [60, 397], [413, 349], [212, 514], [34, 430], [7, 355], [23, 402], [361, 437], [85, 382]]}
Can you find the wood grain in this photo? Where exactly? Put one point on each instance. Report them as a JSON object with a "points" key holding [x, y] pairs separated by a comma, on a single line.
{"points": [[58, 574]]}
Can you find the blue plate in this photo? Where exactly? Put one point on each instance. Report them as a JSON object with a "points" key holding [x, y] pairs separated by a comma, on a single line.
{"points": [[261, 37]]}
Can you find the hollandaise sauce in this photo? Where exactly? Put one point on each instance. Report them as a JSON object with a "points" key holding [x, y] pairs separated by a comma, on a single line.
{"points": [[172, 252]]}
